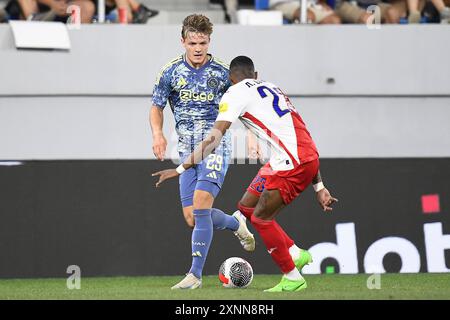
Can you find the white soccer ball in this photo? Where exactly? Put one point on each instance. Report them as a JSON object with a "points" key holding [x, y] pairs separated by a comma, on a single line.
{"points": [[235, 273]]}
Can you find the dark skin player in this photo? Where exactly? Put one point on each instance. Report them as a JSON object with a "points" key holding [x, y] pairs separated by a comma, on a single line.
{"points": [[270, 203]]}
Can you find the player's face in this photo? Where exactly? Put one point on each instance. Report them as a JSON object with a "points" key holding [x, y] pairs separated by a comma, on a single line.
{"points": [[196, 45]]}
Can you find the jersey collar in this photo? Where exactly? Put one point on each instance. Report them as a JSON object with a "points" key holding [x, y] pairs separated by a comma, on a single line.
{"points": [[202, 67]]}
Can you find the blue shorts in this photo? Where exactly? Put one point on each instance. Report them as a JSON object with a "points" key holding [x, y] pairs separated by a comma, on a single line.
{"points": [[207, 176]]}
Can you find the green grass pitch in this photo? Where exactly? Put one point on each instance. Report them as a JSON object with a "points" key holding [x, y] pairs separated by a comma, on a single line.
{"points": [[326, 286]]}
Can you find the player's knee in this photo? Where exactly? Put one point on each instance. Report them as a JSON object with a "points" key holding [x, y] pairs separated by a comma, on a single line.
{"points": [[203, 199], [248, 200], [242, 205], [244, 202], [262, 209], [262, 214]]}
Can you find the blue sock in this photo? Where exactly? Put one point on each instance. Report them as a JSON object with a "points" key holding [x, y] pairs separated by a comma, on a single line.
{"points": [[201, 240], [221, 220]]}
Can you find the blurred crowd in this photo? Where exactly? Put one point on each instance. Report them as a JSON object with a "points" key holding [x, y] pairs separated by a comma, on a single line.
{"points": [[351, 11], [318, 11], [59, 10]]}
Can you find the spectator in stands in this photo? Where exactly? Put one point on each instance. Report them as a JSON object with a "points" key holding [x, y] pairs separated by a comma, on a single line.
{"points": [[48, 10], [318, 11], [230, 7], [413, 10], [357, 12], [56, 10], [141, 13], [21, 9], [415, 7], [136, 12], [3, 15]]}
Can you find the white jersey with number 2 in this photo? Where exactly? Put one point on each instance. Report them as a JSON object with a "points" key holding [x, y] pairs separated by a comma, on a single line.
{"points": [[268, 113]]}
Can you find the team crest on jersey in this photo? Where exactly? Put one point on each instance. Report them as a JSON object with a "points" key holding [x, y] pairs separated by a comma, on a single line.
{"points": [[213, 82]]}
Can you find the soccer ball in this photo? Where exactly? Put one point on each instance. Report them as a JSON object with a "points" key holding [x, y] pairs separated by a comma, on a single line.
{"points": [[235, 273]]}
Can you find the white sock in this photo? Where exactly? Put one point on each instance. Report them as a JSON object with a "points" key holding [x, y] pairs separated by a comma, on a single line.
{"points": [[294, 274], [294, 251]]}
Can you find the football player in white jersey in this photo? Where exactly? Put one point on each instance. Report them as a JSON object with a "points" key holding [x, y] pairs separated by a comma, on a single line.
{"points": [[294, 164]]}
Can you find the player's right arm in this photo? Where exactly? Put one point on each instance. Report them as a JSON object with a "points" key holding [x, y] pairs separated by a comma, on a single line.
{"points": [[160, 96], [156, 123], [230, 108]]}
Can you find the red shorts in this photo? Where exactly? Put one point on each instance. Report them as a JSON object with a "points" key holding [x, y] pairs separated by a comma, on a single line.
{"points": [[290, 183]]}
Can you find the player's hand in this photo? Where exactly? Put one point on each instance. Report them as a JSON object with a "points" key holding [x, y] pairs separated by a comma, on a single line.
{"points": [[325, 199], [165, 175], [159, 146], [253, 147], [255, 152]]}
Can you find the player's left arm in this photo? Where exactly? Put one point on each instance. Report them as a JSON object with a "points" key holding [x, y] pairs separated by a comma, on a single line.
{"points": [[204, 149], [322, 194]]}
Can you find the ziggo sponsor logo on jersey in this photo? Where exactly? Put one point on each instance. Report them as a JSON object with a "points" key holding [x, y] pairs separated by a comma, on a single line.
{"points": [[188, 95]]}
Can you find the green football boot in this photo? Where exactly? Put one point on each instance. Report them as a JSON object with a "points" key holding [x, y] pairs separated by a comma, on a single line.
{"points": [[287, 285], [304, 259]]}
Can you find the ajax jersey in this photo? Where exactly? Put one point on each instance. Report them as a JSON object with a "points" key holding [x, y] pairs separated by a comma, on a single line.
{"points": [[194, 95], [265, 110]]}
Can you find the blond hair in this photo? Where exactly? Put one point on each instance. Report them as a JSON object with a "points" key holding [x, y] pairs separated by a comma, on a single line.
{"points": [[196, 23]]}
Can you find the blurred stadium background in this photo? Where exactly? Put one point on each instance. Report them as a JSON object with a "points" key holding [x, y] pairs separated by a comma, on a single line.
{"points": [[76, 157]]}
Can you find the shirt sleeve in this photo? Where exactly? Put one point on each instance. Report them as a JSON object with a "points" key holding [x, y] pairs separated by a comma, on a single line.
{"points": [[162, 89], [228, 84], [232, 106]]}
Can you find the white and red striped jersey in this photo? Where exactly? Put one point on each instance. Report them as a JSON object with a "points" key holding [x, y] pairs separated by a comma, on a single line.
{"points": [[268, 113]]}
